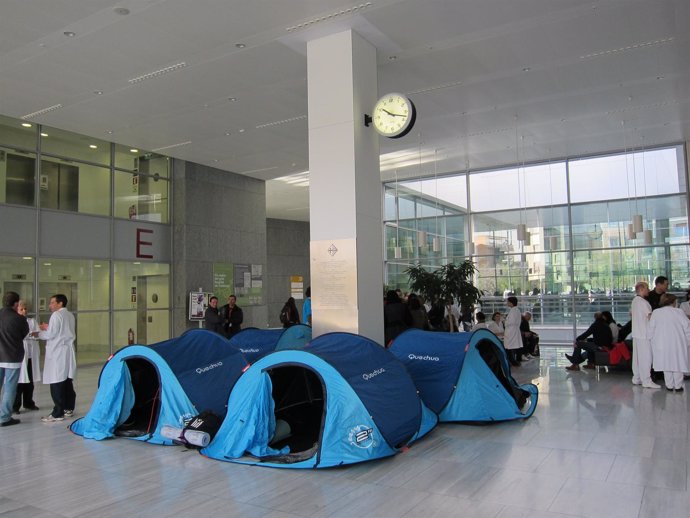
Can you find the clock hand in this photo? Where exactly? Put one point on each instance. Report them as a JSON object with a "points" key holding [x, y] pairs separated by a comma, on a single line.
{"points": [[392, 114]]}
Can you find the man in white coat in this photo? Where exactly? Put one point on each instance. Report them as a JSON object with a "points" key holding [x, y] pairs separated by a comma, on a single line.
{"points": [[60, 363], [669, 331], [640, 312]]}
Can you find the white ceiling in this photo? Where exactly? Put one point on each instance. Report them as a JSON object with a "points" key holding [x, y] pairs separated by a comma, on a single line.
{"points": [[556, 77]]}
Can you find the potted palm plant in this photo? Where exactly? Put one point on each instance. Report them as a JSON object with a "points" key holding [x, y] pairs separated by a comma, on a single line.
{"points": [[446, 285]]}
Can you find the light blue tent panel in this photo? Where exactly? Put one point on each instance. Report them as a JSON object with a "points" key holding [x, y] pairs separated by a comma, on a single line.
{"points": [[106, 412]]}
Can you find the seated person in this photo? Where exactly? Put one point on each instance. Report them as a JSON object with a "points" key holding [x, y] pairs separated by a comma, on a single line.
{"points": [[530, 339], [602, 340], [496, 325], [481, 321]]}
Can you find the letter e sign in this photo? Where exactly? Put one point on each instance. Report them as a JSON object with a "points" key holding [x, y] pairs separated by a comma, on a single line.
{"points": [[141, 243]]}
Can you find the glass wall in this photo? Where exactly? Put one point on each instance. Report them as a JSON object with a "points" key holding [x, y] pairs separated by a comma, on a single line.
{"points": [[578, 258], [56, 170]]}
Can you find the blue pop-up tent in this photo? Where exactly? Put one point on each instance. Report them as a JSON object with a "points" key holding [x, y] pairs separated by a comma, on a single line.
{"points": [[255, 343], [142, 388], [342, 399], [464, 376]]}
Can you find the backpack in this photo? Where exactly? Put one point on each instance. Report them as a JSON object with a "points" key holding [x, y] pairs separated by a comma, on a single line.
{"points": [[284, 317], [206, 422]]}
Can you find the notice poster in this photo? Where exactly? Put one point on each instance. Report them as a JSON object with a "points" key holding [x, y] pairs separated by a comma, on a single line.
{"points": [[248, 279], [223, 282], [297, 287], [198, 302]]}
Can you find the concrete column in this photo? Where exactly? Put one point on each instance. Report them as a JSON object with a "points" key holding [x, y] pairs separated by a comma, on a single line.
{"points": [[346, 244]]}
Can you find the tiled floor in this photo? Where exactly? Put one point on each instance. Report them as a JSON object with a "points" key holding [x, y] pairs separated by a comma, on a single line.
{"points": [[596, 446]]}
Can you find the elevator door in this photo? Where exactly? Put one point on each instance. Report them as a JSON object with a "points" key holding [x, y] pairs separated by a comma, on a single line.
{"points": [[59, 186], [19, 182]]}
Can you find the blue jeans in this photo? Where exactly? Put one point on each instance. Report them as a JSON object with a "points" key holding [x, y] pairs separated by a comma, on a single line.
{"points": [[8, 385]]}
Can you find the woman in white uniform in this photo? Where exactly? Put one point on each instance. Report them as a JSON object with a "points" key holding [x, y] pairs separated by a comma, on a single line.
{"points": [[669, 330], [496, 325], [512, 340], [30, 370]]}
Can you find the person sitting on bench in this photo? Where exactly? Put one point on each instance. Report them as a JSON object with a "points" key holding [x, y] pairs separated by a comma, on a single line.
{"points": [[602, 340]]}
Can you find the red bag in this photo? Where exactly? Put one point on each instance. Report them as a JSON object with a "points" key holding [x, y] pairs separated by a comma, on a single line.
{"points": [[619, 352]]}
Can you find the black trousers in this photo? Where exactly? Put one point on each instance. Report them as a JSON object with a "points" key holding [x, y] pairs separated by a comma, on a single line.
{"points": [[590, 349], [64, 397], [25, 391]]}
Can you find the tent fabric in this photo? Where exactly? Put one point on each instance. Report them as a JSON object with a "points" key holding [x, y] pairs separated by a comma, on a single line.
{"points": [[434, 361], [255, 343], [294, 337], [195, 372], [455, 380], [371, 408]]}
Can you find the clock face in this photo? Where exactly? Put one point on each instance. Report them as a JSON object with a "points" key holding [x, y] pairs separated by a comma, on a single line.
{"points": [[394, 115]]}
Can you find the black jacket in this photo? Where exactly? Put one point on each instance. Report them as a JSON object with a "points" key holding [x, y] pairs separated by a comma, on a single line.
{"points": [[601, 331], [213, 321], [13, 330], [234, 317]]}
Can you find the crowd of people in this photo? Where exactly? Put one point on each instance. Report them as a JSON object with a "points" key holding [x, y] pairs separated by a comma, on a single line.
{"points": [[20, 355], [660, 331]]}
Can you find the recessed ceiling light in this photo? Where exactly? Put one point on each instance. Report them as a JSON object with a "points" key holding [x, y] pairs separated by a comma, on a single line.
{"points": [[98, 92], [240, 45], [136, 262], [93, 146], [26, 124], [232, 99], [44, 134], [70, 34], [227, 133], [122, 11], [526, 69], [109, 132], [660, 77], [392, 58], [133, 150], [242, 130], [47, 264], [27, 258], [96, 265]]}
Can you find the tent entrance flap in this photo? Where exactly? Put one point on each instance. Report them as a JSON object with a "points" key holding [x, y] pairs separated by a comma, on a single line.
{"points": [[298, 394], [146, 384], [493, 357]]}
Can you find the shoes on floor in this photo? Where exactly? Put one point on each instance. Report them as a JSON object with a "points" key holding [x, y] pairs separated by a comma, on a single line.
{"points": [[679, 389], [50, 419], [31, 408], [69, 413], [636, 382], [590, 366], [569, 357], [669, 389], [573, 367], [10, 422], [527, 357], [651, 385]]}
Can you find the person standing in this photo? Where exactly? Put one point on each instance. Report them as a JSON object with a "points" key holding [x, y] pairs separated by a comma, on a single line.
{"points": [[660, 287], [60, 363], [30, 370], [306, 307], [640, 311], [13, 329], [232, 317], [512, 339], [669, 332], [289, 315], [213, 321]]}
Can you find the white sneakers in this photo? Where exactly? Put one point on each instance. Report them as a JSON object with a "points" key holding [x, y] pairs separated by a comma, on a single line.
{"points": [[651, 385], [50, 419]]}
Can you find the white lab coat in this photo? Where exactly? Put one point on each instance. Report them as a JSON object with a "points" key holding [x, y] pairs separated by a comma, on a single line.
{"points": [[31, 351], [496, 329], [60, 362], [639, 312], [669, 330], [512, 339]]}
